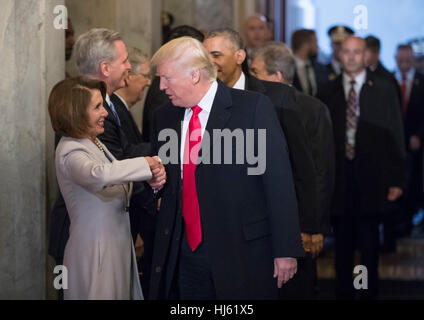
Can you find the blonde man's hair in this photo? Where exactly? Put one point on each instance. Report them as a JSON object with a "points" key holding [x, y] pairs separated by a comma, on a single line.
{"points": [[189, 52]]}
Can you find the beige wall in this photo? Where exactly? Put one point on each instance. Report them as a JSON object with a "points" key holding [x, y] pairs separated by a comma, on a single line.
{"points": [[34, 52]]}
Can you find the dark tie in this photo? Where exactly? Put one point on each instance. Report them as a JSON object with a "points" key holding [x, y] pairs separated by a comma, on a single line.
{"points": [[112, 107], [191, 211], [309, 89], [351, 121], [404, 97]]}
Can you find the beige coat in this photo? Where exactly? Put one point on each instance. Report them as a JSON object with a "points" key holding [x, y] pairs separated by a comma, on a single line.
{"points": [[99, 254]]}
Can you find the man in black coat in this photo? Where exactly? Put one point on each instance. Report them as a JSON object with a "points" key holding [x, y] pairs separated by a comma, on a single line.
{"points": [[370, 159], [274, 62], [224, 232], [225, 48], [393, 211], [310, 74], [411, 91]]}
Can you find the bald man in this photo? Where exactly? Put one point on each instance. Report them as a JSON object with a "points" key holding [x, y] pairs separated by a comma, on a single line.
{"points": [[256, 32], [370, 157]]}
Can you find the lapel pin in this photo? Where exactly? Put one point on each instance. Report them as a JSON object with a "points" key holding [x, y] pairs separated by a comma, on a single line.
{"points": [[370, 83]]}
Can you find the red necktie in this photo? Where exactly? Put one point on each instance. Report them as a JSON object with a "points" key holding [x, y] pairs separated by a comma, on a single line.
{"points": [[190, 203], [404, 97]]}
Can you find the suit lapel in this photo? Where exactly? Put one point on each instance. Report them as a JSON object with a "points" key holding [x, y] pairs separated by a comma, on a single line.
{"points": [[218, 117]]}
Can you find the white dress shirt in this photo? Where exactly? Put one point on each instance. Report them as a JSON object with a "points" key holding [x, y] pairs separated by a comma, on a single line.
{"points": [[206, 105], [359, 82], [409, 80], [241, 82], [122, 99], [301, 72]]}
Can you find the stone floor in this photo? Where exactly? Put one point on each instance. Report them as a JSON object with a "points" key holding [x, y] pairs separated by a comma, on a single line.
{"points": [[407, 263], [401, 273]]}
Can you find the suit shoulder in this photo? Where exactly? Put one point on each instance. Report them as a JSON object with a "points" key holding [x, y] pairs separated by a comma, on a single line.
{"points": [[67, 145], [247, 99]]}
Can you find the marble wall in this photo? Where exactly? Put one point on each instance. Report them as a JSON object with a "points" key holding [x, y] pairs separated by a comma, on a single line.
{"points": [[213, 14], [34, 54]]}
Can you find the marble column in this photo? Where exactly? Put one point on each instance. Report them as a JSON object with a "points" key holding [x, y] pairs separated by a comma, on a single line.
{"points": [[32, 61]]}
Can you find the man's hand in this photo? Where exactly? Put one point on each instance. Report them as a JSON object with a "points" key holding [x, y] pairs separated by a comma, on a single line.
{"points": [[394, 193], [158, 173], [306, 241], [414, 143], [284, 270], [317, 243], [139, 247]]}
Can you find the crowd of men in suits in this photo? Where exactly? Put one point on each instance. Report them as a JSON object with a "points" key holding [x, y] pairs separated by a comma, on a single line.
{"points": [[345, 156]]}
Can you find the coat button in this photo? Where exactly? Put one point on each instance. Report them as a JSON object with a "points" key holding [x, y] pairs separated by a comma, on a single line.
{"points": [[166, 232], [158, 269]]}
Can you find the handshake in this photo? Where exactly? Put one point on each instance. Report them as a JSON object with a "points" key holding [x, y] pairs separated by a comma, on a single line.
{"points": [[158, 173]]}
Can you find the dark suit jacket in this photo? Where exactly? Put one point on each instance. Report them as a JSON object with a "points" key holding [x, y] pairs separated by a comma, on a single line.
{"points": [[380, 156], [316, 119], [414, 121], [321, 76], [155, 98], [283, 98], [142, 199], [247, 220]]}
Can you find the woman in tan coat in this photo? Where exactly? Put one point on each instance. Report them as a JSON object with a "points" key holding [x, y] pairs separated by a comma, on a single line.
{"points": [[99, 254]]}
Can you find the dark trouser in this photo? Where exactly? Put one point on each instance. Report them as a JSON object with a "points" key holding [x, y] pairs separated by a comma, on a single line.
{"points": [[301, 286], [195, 280], [355, 230]]}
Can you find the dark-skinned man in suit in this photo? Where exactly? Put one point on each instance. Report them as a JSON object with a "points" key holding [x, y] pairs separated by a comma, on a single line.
{"points": [[370, 160], [225, 47]]}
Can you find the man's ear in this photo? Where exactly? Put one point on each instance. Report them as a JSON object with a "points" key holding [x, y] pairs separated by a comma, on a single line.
{"points": [[127, 80], [280, 77], [195, 76], [105, 68], [240, 56]]}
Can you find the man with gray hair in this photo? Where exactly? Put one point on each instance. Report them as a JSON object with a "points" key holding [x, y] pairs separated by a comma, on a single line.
{"points": [[221, 233], [275, 62]]}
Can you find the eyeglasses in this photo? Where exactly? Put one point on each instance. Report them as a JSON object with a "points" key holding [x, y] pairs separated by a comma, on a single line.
{"points": [[145, 75]]}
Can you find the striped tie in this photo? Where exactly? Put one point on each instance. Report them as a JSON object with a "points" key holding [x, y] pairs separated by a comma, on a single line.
{"points": [[351, 121]]}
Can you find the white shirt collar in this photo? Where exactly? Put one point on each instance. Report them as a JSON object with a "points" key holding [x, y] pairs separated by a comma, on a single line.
{"points": [[122, 99], [359, 79], [409, 75], [241, 82], [359, 82], [207, 100], [107, 99], [299, 62]]}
